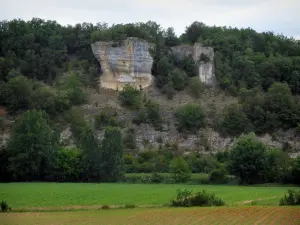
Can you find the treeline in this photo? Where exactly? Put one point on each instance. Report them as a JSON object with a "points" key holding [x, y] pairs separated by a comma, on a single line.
{"points": [[35, 153]]}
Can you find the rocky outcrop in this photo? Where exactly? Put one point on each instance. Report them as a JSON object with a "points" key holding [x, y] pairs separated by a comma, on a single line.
{"points": [[125, 63], [203, 57]]}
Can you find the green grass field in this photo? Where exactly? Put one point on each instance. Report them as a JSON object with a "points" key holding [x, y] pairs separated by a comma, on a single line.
{"points": [[34, 195]]}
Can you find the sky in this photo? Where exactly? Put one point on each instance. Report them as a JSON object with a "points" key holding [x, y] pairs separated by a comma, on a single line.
{"points": [[279, 16]]}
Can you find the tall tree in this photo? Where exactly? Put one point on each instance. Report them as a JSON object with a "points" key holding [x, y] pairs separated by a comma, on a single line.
{"points": [[31, 146], [112, 155], [248, 159]]}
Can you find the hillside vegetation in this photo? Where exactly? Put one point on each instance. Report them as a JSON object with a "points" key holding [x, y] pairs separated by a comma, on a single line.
{"points": [[48, 76]]}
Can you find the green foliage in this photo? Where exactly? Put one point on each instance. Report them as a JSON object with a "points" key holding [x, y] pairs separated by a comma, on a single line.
{"points": [[188, 65], [180, 170], [195, 87], [74, 89], [296, 170], [178, 78], [128, 139], [91, 153], [31, 139], [21, 93], [277, 166], [186, 198], [234, 121], [112, 155], [218, 176], [107, 117], [248, 159], [130, 206], [68, 164], [276, 109], [5, 174], [16, 93], [291, 198], [190, 117], [149, 113], [131, 97], [105, 207], [4, 206]]}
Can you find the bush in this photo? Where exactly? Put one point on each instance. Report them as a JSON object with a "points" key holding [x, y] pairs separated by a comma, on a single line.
{"points": [[149, 113], [195, 87], [186, 198], [169, 90], [189, 117], [107, 117], [180, 170], [130, 97], [218, 176], [128, 139], [291, 198], [4, 206], [105, 207], [234, 121], [157, 178], [178, 78], [130, 206]]}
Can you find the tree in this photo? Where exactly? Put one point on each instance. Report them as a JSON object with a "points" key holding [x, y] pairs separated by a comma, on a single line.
{"points": [[277, 166], [248, 159], [180, 170], [112, 155], [234, 121], [68, 165], [190, 117], [130, 97], [16, 93], [195, 87], [170, 37], [31, 146], [91, 153], [178, 78], [296, 170]]}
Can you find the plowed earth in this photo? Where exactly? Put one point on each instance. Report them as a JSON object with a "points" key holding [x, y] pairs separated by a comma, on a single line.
{"points": [[218, 215]]}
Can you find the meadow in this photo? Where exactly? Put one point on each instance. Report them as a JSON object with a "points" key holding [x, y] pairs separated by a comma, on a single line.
{"points": [[30, 196]]}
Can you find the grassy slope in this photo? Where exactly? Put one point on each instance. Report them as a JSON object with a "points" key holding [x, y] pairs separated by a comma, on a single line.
{"points": [[24, 195], [215, 215]]}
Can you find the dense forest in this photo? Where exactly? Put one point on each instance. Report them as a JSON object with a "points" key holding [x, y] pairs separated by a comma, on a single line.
{"points": [[45, 69]]}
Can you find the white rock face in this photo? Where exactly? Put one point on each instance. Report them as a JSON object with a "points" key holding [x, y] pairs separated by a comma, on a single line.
{"points": [[206, 68], [127, 63], [206, 72]]}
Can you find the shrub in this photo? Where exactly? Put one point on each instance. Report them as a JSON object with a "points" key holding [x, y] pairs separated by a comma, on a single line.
{"points": [[189, 117], [234, 121], [178, 78], [169, 90], [187, 198], [107, 117], [153, 113], [128, 138], [74, 88], [157, 178], [218, 176], [130, 206], [130, 97], [4, 206], [180, 170], [291, 198], [195, 87], [105, 207]]}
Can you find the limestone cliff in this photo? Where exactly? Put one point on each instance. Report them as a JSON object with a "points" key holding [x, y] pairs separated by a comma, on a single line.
{"points": [[205, 65], [129, 62]]}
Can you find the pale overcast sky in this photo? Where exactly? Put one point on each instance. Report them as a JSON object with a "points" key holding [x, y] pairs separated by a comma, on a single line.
{"points": [[280, 16]]}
